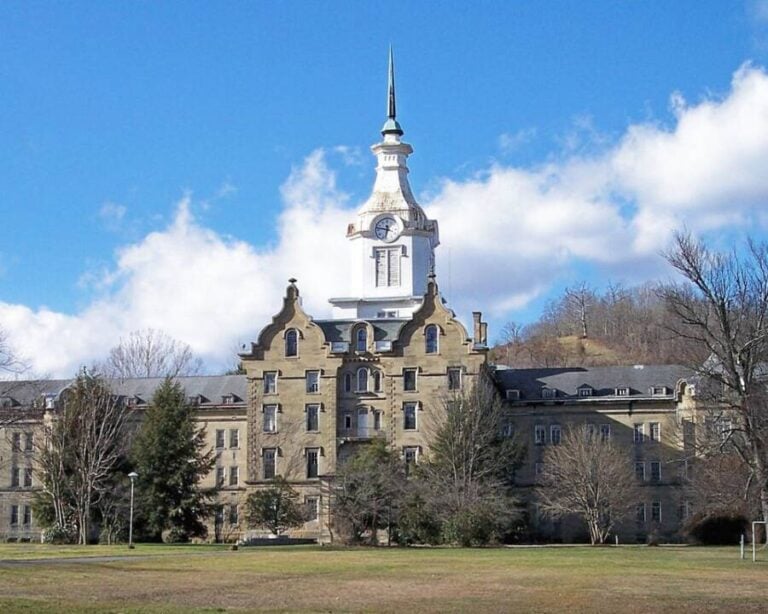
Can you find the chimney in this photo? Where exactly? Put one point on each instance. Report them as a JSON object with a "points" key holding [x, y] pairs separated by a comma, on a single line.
{"points": [[476, 334], [483, 333]]}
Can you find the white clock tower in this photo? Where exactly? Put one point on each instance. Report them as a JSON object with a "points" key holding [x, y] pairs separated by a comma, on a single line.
{"points": [[394, 242]]}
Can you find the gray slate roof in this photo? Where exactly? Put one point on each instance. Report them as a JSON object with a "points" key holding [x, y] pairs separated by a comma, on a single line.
{"points": [[341, 330], [603, 380], [211, 387]]}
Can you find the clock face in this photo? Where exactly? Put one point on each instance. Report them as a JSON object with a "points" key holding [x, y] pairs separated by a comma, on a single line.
{"points": [[386, 229]]}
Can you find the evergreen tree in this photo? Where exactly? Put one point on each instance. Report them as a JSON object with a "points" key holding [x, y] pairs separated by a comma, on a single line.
{"points": [[170, 457]]}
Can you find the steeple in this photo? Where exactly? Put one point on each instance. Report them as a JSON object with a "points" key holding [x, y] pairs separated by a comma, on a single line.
{"points": [[394, 239], [391, 126]]}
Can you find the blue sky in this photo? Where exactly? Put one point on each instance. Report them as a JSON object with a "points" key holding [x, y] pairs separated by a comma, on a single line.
{"points": [[170, 165]]}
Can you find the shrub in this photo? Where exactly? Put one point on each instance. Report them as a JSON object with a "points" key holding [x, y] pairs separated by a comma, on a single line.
{"points": [[718, 529]]}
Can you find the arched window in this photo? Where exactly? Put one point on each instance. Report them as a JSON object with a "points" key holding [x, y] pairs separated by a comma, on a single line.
{"points": [[362, 380], [377, 381], [361, 339], [430, 339], [347, 382], [291, 342]]}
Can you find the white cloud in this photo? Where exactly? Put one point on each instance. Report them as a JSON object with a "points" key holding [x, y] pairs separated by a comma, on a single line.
{"points": [[112, 215], [208, 290], [508, 234]]}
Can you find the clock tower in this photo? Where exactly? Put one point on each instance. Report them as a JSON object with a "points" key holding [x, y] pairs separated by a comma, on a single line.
{"points": [[393, 241]]}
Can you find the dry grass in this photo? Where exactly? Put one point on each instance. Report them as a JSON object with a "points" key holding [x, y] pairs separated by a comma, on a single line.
{"points": [[627, 579]]}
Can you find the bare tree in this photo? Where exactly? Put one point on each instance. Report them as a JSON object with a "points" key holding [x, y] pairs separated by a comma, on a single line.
{"points": [[722, 308], [151, 353], [84, 442], [471, 463], [589, 477], [579, 301], [10, 362]]}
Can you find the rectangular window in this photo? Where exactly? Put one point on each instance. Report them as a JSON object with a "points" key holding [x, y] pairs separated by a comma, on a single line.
{"points": [[313, 381], [507, 428], [27, 515], [27, 477], [347, 421], [639, 432], [312, 505], [655, 431], [219, 439], [555, 434], [313, 462], [313, 417], [270, 382], [376, 420], [16, 442], [622, 392], [387, 266], [585, 392], [640, 471], [219, 477], [409, 380], [539, 435], [409, 416], [605, 432], [14, 515], [640, 513], [29, 442], [589, 431], [15, 477], [659, 391], [270, 418], [655, 471], [684, 510], [454, 378], [270, 461], [234, 438], [234, 476], [411, 455], [656, 511], [233, 515]]}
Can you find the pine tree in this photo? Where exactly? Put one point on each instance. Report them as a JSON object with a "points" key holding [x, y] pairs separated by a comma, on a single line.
{"points": [[170, 457]]}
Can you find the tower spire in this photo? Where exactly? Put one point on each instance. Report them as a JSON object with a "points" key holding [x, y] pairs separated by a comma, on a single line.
{"points": [[391, 126]]}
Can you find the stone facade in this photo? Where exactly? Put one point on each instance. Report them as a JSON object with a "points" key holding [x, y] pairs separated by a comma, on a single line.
{"points": [[319, 389], [642, 408]]}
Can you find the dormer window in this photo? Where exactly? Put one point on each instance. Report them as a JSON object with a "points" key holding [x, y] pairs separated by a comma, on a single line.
{"points": [[585, 391], [291, 342], [227, 399], [548, 393], [623, 391], [430, 339], [361, 339], [659, 391], [512, 395]]}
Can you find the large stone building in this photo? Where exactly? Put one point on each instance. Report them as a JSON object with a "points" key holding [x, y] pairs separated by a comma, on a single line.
{"points": [[315, 390]]}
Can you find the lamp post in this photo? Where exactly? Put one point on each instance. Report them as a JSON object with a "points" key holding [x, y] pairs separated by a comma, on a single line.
{"points": [[133, 475]]}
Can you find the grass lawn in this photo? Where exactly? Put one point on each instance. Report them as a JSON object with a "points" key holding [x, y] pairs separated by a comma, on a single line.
{"points": [[35, 578]]}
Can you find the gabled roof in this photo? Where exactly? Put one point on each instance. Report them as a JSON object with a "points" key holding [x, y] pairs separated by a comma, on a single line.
{"points": [[211, 387], [640, 379]]}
